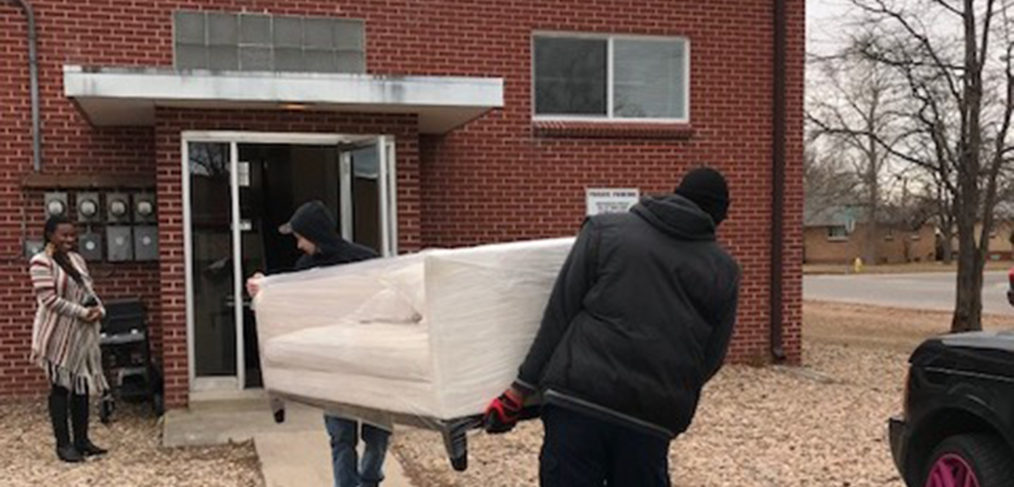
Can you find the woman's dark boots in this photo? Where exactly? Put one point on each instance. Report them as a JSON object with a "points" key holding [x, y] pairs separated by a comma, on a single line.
{"points": [[79, 420], [58, 398]]}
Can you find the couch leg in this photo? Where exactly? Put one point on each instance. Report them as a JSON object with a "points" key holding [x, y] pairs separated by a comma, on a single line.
{"points": [[278, 409], [456, 443]]}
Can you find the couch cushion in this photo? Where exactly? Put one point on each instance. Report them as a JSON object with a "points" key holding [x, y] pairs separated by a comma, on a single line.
{"points": [[395, 351], [387, 306], [409, 282]]}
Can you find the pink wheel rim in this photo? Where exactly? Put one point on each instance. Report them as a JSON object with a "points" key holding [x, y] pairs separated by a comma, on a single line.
{"points": [[951, 470]]}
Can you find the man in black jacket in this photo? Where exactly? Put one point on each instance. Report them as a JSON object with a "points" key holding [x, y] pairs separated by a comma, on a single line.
{"points": [[314, 229], [639, 319]]}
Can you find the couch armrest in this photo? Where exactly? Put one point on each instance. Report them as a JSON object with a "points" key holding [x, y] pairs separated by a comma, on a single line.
{"points": [[484, 308], [316, 297]]}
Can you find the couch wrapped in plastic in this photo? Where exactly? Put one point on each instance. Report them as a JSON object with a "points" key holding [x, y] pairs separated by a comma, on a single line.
{"points": [[424, 339]]}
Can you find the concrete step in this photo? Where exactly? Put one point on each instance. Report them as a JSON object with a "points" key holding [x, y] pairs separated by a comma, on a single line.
{"points": [[219, 424], [303, 459], [293, 453]]}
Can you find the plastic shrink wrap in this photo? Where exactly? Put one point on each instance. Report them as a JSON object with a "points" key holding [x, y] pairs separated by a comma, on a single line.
{"points": [[425, 339]]}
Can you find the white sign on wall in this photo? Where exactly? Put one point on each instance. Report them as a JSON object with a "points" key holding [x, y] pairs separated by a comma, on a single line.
{"points": [[610, 200], [243, 174]]}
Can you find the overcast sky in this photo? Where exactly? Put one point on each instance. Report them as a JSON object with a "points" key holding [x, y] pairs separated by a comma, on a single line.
{"points": [[824, 18], [826, 21]]}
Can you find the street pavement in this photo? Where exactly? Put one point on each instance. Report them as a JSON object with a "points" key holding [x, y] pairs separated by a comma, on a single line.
{"points": [[930, 291]]}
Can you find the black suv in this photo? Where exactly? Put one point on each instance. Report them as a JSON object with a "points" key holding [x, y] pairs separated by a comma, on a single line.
{"points": [[957, 428]]}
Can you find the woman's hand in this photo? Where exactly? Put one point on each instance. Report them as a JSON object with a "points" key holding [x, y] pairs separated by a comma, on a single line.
{"points": [[253, 285], [94, 314]]}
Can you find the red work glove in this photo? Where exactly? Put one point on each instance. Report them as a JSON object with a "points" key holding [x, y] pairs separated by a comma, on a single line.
{"points": [[503, 412]]}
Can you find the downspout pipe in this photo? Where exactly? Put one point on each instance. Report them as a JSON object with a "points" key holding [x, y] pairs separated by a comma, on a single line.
{"points": [[33, 74], [778, 182]]}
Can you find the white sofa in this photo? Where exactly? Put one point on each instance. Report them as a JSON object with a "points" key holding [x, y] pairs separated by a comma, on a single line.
{"points": [[426, 338]]}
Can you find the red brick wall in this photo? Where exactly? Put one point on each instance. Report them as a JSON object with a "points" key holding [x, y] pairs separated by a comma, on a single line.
{"points": [[500, 179], [495, 179]]}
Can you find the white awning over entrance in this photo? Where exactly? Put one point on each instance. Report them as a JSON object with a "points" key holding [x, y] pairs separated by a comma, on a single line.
{"points": [[128, 96]]}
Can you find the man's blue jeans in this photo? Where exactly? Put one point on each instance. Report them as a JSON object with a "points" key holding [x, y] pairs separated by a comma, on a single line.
{"points": [[348, 471]]}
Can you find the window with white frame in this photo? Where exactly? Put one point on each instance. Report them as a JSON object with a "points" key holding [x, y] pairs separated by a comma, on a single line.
{"points": [[610, 77]]}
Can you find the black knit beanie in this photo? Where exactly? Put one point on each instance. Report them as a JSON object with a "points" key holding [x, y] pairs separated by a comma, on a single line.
{"points": [[707, 188]]}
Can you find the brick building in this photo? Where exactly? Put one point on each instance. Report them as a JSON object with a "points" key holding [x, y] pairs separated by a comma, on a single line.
{"points": [[833, 244], [422, 123], [837, 234], [1001, 239]]}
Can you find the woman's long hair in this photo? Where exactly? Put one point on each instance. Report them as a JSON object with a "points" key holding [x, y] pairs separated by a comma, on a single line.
{"points": [[61, 257]]}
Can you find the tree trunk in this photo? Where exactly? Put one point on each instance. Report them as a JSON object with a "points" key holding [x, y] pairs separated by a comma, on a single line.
{"points": [[968, 309], [872, 181], [947, 246], [968, 306], [971, 261], [870, 243]]}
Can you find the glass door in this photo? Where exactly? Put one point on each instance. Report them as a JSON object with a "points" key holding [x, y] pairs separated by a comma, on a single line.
{"points": [[274, 179], [239, 187], [211, 278], [369, 208]]}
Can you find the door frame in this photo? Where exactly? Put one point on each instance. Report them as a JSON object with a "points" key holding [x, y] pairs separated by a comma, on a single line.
{"points": [[388, 206]]}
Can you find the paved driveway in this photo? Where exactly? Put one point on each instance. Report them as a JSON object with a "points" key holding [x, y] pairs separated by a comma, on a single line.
{"points": [[918, 291]]}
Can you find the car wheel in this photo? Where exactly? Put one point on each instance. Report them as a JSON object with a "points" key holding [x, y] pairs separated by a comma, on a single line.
{"points": [[974, 460]]}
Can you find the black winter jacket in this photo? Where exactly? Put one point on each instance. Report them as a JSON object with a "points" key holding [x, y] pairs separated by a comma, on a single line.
{"points": [[639, 319]]}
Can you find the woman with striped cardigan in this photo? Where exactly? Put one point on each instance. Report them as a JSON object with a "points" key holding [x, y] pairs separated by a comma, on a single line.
{"points": [[65, 337]]}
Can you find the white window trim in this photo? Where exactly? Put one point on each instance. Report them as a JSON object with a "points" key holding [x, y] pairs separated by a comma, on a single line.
{"points": [[610, 38]]}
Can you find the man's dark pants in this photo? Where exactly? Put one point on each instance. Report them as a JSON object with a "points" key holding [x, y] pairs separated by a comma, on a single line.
{"points": [[583, 451]]}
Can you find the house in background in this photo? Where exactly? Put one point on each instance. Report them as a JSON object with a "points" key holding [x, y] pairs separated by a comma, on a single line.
{"points": [[838, 234], [1001, 239]]}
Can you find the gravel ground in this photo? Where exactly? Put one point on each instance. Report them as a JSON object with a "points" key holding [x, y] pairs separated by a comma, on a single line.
{"points": [[754, 427], [877, 327], [136, 458], [823, 424]]}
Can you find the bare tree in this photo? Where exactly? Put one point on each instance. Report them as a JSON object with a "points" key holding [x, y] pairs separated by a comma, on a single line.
{"points": [[960, 123], [826, 184], [854, 108]]}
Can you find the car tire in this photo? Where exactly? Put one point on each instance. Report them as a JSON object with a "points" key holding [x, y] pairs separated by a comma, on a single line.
{"points": [[985, 456]]}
